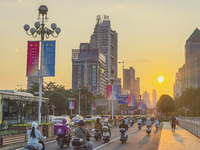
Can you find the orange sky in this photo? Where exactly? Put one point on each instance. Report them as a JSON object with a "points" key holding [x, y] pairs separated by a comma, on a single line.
{"points": [[155, 31]]}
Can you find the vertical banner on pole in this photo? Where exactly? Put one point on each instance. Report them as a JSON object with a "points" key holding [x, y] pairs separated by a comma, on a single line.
{"points": [[129, 100], [73, 105], [108, 92], [49, 59], [112, 92], [138, 104], [70, 105], [115, 92], [32, 59]]}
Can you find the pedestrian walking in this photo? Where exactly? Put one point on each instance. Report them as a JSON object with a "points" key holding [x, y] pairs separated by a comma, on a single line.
{"points": [[173, 123]]}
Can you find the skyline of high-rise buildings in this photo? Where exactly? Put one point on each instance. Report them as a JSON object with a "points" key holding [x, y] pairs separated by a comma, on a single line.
{"points": [[130, 82], [189, 74], [106, 40]]}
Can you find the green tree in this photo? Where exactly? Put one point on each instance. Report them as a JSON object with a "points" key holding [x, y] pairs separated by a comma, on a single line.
{"points": [[59, 101], [165, 104]]}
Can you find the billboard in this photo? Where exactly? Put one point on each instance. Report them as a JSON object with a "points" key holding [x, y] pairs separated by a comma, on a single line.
{"points": [[32, 59], [49, 59], [123, 99]]}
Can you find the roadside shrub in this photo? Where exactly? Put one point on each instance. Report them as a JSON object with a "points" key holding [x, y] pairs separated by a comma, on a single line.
{"points": [[10, 132]]}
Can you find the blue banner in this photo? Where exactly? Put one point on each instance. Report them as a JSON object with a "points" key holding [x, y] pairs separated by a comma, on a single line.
{"points": [[141, 105], [70, 105], [133, 102], [123, 99], [49, 59], [115, 92]]}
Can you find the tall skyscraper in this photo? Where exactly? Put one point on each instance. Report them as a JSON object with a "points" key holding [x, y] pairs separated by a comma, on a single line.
{"points": [[180, 82], [154, 98], [130, 82], [89, 69], [146, 99], [106, 40], [192, 60]]}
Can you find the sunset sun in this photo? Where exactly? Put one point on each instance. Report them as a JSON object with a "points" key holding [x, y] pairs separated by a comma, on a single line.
{"points": [[160, 79]]}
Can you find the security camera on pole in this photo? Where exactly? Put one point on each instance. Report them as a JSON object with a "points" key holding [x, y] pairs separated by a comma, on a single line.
{"points": [[43, 31]]}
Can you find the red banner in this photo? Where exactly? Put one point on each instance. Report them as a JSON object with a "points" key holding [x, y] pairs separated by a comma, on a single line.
{"points": [[109, 92], [32, 59], [129, 100]]}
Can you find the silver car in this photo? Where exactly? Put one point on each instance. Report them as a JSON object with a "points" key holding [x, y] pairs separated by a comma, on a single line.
{"points": [[59, 120]]}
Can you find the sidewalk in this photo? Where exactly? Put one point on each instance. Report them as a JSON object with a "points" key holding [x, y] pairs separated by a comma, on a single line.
{"points": [[180, 140]]}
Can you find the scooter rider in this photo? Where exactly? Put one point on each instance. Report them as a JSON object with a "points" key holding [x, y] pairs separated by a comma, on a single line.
{"points": [[139, 121], [33, 135], [82, 132], [64, 121], [108, 125], [156, 122], [98, 125], [148, 122], [125, 126]]}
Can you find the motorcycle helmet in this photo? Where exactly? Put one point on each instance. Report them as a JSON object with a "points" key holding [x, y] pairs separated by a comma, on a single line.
{"points": [[64, 121], [148, 119], [34, 124], [81, 123]]}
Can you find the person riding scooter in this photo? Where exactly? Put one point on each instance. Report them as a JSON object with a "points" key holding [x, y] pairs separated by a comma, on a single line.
{"points": [[156, 123], [108, 125], [63, 133], [139, 123], [33, 136], [125, 126], [82, 132]]}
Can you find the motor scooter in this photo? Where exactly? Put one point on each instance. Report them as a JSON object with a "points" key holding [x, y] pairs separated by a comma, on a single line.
{"points": [[123, 137], [106, 133], [139, 126], [148, 129], [63, 133], [157, 127], [77, 144], [31, 147], [97, 134]]}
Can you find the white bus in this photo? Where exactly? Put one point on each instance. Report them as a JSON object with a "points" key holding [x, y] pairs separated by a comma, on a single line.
{"points": [[20, 108]]}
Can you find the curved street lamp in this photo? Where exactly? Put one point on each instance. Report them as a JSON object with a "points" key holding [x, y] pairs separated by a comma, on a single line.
{"points": [[40, 29]]}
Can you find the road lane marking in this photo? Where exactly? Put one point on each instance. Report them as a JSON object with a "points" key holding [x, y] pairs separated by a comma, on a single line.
{"points": [[113, 140]]}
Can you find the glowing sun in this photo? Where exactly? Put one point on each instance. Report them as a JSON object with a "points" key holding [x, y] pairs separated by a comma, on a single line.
{"points": [[160, 79]]}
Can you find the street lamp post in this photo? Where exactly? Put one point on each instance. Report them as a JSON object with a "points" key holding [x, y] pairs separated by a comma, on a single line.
{"points": [[42, 30], [140, 105], [185, 111]]}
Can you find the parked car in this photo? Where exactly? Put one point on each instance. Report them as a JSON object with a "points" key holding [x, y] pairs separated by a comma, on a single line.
{"points": [[88, 117], [114, 117], [51, 117], [59, 119], [92, 117], [76, 119]]}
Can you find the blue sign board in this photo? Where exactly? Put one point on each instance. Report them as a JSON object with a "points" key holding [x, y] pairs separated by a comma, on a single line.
{"points": [[123, 99]]}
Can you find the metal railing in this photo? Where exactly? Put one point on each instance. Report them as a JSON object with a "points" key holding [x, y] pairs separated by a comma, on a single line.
{"points": [[192, 124]]}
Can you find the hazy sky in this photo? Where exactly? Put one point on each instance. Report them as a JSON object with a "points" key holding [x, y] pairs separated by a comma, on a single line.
{"points": [[151, 30]]}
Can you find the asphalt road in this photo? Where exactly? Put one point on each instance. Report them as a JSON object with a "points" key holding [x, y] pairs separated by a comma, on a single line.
{"points": [[137, 140]]}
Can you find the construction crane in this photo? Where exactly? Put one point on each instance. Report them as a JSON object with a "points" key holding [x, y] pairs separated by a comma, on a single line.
{"points": [[131, 62]]}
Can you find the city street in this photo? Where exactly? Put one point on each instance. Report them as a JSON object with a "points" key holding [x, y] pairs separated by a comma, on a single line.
{"points": [[137, 139]]}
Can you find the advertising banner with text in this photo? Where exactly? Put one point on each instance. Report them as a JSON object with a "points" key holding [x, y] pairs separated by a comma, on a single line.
{"points": [[49, 59], [32, 59]]}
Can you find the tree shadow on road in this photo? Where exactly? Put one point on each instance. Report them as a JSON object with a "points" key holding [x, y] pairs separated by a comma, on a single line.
{"points": [[178, 138], [155, 132], [144, 141]]}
